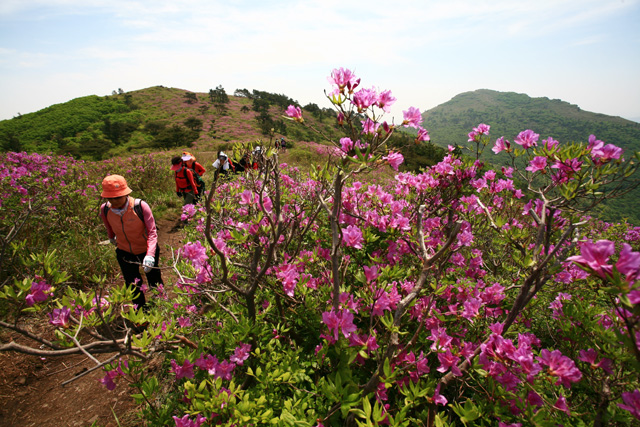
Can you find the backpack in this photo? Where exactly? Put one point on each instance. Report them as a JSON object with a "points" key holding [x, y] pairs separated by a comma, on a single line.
{"points": [[136, 208], [200, 184]]}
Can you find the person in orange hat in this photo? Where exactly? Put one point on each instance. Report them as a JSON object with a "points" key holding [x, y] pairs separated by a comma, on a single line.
{"points": [[132, 228]]}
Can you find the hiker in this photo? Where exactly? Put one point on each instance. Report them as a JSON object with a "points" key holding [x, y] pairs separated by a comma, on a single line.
{"points": [[186, 186], [132, 228], [197, 169], [245, 162], [258, 157], [223, 165]]}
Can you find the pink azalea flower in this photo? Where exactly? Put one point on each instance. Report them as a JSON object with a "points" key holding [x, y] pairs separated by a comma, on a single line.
{"points": [[182, 371], [346, 144], [352, 237], [501, 145], [595, 256], [395, 159], [196, 253], [107, 380], [629, 262], [209, 363], [412, 118], [241, 354], [439, 399], [295, 113], [60, 317], [225, 370], [560, 366], [538, 163], [369, 127], [364, 98], [39, 292], [550, 143], [527, 139], [343, 78], [631, 403], [185, 421], [371, 273], [423, 134], [386, 100], [561, 404]]}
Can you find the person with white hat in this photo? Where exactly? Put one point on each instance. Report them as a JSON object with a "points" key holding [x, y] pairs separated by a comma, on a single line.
{"points": [[223, 164]]}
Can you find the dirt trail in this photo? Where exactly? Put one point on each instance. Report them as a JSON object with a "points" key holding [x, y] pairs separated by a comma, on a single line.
{"points": [[30, 387]]}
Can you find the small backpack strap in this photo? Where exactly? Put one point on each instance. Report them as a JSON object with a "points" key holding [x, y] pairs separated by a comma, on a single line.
{"points": [[138, 209], [105, 209]]}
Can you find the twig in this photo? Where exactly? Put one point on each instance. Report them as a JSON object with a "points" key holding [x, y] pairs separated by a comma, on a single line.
{"points": [[89, 370]]}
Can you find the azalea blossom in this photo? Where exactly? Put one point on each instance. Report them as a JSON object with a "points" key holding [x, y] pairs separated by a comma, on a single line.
{"points": [[241, 354], [60, 317], [39, 292], [365, 98], [412, 118], [352, 237], [386, 100], [538, 163], [182, 371], [631, 402], [185, 421], [560, 366], [595, 256], [423, 134], [501, 145], [395, 159], [527, 139], [295, 113], [343, 78]]}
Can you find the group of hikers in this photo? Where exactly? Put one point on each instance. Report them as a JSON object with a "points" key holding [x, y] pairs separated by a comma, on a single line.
{"points": [[188, 172], [131, 226]]}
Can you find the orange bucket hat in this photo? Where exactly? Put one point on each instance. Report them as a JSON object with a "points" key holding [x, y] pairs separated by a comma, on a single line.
{"points": [[115, 186]]}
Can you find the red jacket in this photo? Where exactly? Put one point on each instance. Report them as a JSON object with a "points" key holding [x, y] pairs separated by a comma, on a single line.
{"points": [[132, 234], [184, 180], [200, 170]]}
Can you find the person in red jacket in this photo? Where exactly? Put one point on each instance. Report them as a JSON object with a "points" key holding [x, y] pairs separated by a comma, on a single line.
{"points": [[197, 169], [191, 163], [132, 228], [186, 186]]}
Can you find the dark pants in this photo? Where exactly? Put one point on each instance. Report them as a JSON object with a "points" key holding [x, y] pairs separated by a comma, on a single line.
{"points": [[189, 198], [130, 265]]}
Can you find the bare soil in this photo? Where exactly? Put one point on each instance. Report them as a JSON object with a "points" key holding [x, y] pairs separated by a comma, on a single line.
{"points": [[30, 387]]}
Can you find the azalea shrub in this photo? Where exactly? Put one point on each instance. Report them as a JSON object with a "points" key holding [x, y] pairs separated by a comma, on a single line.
{"points": [[459, 295]]}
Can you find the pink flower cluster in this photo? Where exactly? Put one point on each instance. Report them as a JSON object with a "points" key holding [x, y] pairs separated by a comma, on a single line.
{"points": [[40, 291]]}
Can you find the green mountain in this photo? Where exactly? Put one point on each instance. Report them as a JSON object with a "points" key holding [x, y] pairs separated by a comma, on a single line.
{"points": [[510, 113], [153, 119]]}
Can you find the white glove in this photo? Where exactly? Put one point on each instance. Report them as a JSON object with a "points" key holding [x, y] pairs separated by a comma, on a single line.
{"points": [[113, 240], [148, 263]]}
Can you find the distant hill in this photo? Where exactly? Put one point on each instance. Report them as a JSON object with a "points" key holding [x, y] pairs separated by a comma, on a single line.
{"points": [[509, 113]]}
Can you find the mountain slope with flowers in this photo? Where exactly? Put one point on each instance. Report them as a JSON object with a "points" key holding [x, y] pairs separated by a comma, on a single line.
{"points": [[161, 118]]}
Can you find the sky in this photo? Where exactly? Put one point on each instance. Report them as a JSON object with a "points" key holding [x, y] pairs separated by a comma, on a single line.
{"points": [[585, 52]]}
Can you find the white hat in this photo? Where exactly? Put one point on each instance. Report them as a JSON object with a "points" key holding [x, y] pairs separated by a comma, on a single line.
{"points": [[186, 158]]}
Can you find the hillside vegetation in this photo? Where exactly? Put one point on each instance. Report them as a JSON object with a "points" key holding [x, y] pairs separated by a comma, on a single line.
{"points": [[510, 113], [160, 118]]}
